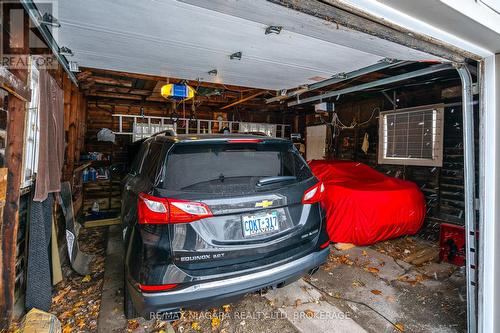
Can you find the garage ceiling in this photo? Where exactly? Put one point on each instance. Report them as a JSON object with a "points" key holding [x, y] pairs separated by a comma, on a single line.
{"points": [[183, 39]]}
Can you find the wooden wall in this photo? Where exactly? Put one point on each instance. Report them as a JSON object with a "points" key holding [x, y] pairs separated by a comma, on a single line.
{"points": [[100, 115], [74, 125]]}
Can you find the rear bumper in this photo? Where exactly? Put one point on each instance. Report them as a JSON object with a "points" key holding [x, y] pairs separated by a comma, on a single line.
{"points": [[224, 290]]}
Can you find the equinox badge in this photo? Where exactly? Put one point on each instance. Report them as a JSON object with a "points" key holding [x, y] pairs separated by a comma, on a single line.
{"points": [[264, 204]]}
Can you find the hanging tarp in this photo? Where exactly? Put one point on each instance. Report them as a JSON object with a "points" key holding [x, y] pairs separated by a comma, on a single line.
{"points": [[364, 206]]}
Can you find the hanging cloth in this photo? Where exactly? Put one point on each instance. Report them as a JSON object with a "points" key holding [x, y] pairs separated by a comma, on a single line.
{"points": [[51, 143]]}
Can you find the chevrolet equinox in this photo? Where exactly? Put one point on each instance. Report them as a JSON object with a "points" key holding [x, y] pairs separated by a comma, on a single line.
{"points": [[209, 218]]}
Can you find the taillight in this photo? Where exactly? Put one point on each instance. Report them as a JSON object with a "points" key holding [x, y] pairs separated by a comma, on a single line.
{"points": [[187, 211], [156, 288], [154, 210], [314, 194], [244, 140]]}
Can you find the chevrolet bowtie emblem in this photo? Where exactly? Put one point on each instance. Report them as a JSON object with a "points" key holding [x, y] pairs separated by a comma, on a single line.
{"points": [[264, 204]]}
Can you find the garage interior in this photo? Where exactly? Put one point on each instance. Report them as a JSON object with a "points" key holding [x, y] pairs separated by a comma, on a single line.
{"points": [[270, 67]]}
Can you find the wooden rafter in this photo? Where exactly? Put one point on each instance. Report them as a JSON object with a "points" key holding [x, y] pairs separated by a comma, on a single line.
{"points": [[193, 83], [244, 99]]}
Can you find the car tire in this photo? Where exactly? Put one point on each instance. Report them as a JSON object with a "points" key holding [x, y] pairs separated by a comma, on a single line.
{"points": [[128, 305]]}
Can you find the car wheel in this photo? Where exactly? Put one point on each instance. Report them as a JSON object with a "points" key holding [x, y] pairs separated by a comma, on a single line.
{"points": [[128, 306]]}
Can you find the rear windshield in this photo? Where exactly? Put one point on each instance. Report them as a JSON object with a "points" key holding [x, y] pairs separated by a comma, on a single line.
{"points": [[233, 167]]}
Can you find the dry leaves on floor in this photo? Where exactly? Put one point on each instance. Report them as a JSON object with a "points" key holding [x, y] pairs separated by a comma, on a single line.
{"points": [[132, 324], [373, 270], [400, 327], [309, 313], [413, 280], [76, 300]]}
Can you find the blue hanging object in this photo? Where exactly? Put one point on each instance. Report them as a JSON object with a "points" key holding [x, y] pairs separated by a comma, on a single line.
{"points": [[178, 92]]}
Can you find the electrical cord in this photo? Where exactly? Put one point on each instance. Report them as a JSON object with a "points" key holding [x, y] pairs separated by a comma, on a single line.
{"points": [[359, 303], [338, 123]]}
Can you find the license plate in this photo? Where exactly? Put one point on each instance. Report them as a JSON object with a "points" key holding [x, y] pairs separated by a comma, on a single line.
{"points": [[259, 224]]}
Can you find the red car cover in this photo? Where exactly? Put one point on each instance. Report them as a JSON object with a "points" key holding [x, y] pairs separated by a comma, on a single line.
{"points": [[364, 206]]}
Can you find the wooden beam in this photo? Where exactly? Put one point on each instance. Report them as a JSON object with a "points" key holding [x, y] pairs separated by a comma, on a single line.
{"points": [[111, 81], [9, 227], [14, 161], [115, 95], [147, 77], [244, 99], [72, 131], [120, 90], [83, 75], [13, 85]]}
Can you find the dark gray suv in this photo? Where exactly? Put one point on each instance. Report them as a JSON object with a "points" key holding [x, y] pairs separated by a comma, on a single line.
{"points": [[208, 218]]}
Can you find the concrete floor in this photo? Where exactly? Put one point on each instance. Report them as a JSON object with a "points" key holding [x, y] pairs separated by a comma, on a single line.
{"points": [[358, 290]]}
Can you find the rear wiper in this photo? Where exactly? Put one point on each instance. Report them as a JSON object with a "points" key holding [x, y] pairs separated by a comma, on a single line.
{"points": [[273, 180]]}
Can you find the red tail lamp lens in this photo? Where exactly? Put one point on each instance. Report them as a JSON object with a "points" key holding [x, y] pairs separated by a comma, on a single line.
{"points": [[156, 288], [155, 210]]}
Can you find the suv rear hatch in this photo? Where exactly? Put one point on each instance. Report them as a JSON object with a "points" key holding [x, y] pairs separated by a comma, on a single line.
{"points": [[245, 196]]}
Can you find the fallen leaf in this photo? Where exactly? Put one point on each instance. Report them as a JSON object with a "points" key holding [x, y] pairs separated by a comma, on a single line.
{"points": [[376, 292], [215, 322], [227, 308], [86, 278], [357, 284], [400, 327], [132, 324], [298, 302], [343, 259], [309, 313], [78, 304], [81, 323], [372, 269], [67, 328], [364, 253], [195, 326], [61, 294]]}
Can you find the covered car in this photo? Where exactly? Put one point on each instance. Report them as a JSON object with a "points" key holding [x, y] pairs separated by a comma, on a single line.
{"points": [[364, 206]]}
